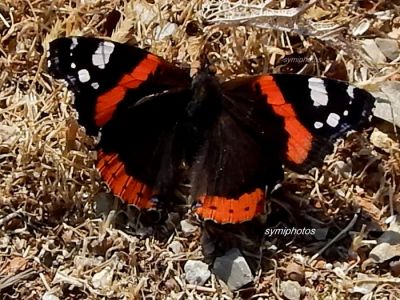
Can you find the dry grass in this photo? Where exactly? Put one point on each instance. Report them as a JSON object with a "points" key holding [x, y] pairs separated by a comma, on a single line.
{"points": [[52, 239]]}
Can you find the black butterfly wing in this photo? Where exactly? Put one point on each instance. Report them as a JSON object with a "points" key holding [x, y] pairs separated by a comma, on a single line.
{"points": [[137, 99], [231, 172], [313, 113], [104, 75], [149, 140]]}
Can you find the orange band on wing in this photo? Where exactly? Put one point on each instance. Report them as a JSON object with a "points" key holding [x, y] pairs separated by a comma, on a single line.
{"points": [[121, 184], [107, 102], [300, 139], [224, 210]]}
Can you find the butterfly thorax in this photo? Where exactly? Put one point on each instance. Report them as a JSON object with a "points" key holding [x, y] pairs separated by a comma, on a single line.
{"points": [[205, 104]]}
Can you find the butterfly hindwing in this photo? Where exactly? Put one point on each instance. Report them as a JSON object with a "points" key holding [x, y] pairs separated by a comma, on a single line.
{"points": [[104, 74], [122, 184], [149, 139], [231, 173]]}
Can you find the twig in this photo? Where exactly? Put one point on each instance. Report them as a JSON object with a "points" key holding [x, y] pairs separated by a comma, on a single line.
{"points": [[10, 280], [10, 216], [336, 238], [201, 288]]}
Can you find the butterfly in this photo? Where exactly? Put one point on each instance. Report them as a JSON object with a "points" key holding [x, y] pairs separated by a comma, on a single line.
{"points": [[231, 137]]}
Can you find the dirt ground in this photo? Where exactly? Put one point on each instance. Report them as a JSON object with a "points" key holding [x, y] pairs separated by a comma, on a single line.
{"points": [[61, 239]]}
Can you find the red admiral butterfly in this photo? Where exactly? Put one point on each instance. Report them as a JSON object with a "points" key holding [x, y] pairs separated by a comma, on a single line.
{"points": [[233, 136]]}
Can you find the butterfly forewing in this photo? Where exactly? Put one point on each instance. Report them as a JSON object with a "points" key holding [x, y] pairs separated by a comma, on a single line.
{"points": [[136, 98], [102, 73], [313, 113], [326, 107]]}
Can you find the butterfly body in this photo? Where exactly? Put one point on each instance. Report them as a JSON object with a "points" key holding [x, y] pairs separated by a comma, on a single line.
{"points": [[232, 136]]}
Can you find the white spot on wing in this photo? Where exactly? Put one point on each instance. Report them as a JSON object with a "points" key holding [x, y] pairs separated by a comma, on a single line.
{"points": [[101, 56], [318, 125], [318, 91], [333, 119], [83, 75], [49, 63], [350, 91], [109, 45], [74, 43], [346, 113], [95, 85], [73, 65]]}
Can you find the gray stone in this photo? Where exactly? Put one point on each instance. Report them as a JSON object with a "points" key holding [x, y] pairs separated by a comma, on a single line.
{"points": [[176, 247], [166, 31], [364, 286], [233, 269], [196, 272], [389, 47], [103, 279], [388, 108], [145, 12], [187, 227], [291, 290], [49, 296], [373, 51]]}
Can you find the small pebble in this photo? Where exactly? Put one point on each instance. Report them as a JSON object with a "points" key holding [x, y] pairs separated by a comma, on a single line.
{"points": [[372, 50], [103, 279], [49, 296], [196, 272], [233, 269], [187, 227], [295, 272], [389, 47], [165, 31], [176, 247], [291, 290], [321, 264]]}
